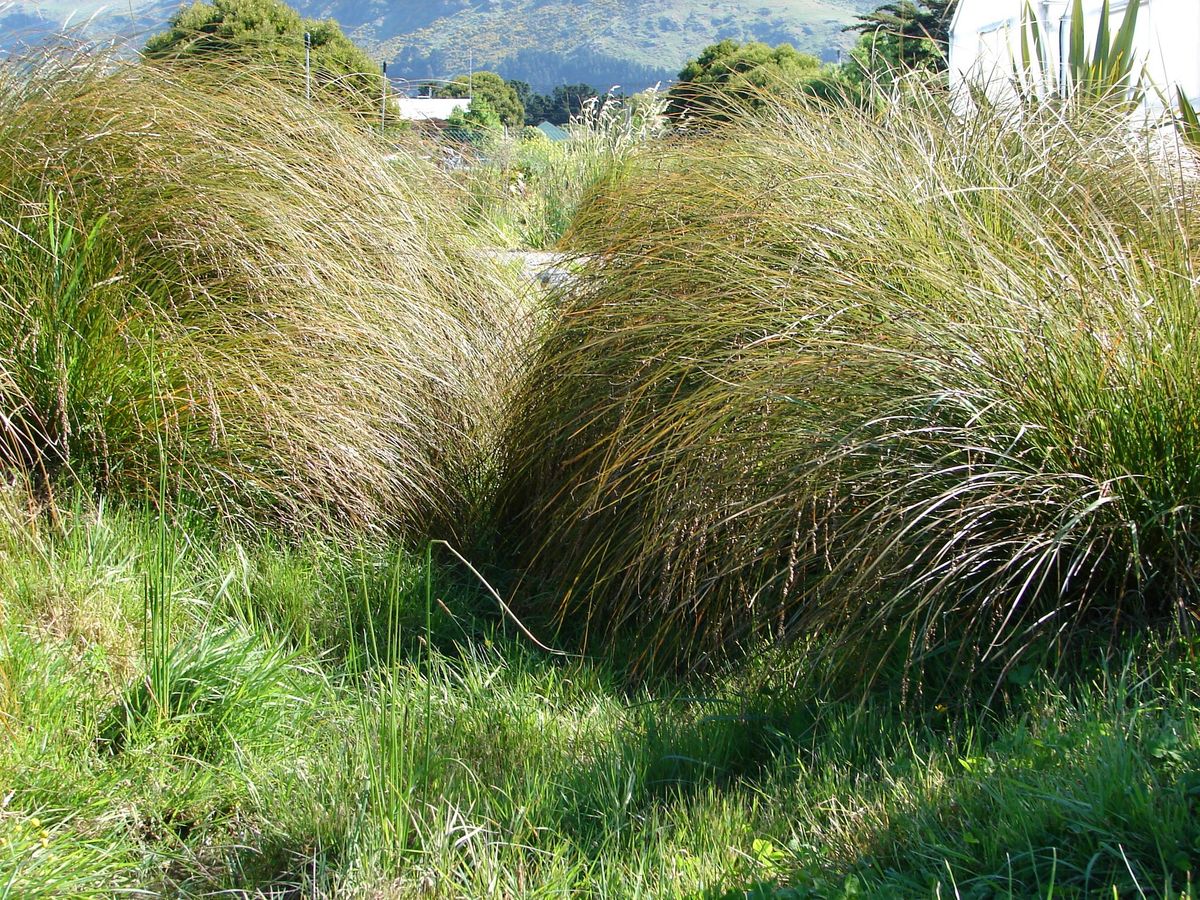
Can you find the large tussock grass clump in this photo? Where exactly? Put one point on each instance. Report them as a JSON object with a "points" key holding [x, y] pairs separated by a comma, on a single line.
{"points": [[905, 379], [200, 274]]}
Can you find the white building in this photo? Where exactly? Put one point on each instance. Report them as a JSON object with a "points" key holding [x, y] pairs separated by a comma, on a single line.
{"points": [[433, 109], [985, 40]]}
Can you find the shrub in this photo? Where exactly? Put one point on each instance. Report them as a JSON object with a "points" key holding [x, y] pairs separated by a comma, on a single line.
{"points": [[202, 274], [728, 75], [897, 378], [270, 32]]}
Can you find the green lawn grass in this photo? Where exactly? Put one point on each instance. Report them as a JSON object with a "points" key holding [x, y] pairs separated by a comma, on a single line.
{"points": [[330, 729]]}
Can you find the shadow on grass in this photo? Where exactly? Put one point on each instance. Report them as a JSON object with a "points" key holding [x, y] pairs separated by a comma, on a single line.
{"points": [[1067, 785]]}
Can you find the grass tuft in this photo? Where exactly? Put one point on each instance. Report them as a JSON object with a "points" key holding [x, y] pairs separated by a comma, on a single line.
{"points": [[224, 687], [920, 383], [195, 264]]}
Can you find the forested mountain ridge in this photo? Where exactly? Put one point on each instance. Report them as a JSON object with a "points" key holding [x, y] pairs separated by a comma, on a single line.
{"points": [[29, 22], [545, 42], [613, 41]]}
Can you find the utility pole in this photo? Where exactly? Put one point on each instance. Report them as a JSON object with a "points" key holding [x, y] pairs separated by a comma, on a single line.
{"points": [[471, 73], [307, 66], [383, 100]]}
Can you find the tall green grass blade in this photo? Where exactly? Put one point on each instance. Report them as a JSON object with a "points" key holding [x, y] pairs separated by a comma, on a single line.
{"points": [[427, 668], [1104, 53], [1034, 58], [1077, 61], [160, 587], [1122, 59]]}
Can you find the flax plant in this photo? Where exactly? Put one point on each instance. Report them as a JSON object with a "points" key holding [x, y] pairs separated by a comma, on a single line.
{"points": [[1188, 121], [916, 383], [1106, 73]]}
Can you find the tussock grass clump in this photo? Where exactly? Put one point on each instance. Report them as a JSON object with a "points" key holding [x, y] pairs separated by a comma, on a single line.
{"points": [[222, 686], [201, 274], [908, 379]]}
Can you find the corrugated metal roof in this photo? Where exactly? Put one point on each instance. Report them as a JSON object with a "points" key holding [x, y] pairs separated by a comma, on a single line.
{"points": [[552, 131]]}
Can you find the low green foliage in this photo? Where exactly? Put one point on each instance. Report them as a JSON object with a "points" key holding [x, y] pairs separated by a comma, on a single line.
{"points": [[920, 383], [527, 188]]}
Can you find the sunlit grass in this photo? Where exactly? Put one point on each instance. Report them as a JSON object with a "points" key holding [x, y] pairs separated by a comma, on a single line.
{"points": [[895, 387], [524, 189]]}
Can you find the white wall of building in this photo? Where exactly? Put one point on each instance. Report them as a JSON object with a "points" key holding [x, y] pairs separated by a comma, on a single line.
{"points": [[985, 39], [432, 109]]}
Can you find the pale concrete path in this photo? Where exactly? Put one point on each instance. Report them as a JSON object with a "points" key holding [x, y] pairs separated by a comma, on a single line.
{"points": [[543, 267]]}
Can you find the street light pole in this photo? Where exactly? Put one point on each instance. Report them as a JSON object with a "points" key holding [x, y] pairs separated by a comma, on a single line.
{"points": [[307, 66]]}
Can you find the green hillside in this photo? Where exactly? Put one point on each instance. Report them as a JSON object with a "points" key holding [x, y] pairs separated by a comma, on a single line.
{"points": [[660, 35], [545, 42], [29, 22], [539, 40]]}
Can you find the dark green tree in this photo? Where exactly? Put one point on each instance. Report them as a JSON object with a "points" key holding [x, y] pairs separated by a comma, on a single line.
{"points": [[270, 32], [532, 102], [905, 35], [499, 94], [566, 100], [729, 75]]}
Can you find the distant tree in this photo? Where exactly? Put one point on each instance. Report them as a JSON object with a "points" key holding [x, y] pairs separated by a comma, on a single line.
{"points": [[480, 117], [566, 101], [729, 74], [272, 33], [904, 35], [500, 96], [478, 126], [529, 100]]}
